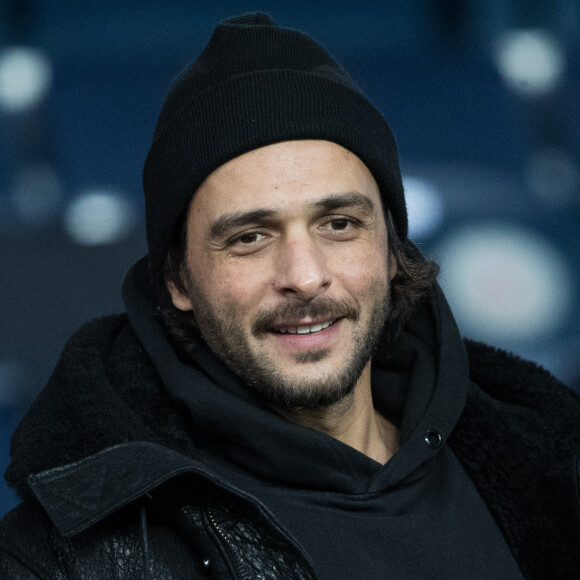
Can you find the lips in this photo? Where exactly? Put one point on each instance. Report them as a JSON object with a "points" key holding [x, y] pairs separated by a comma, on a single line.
{"points": [[305, 329], [291, 318]]}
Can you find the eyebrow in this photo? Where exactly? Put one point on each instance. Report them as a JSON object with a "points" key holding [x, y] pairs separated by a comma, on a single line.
{"points": [[348, 199], [229, 221]]}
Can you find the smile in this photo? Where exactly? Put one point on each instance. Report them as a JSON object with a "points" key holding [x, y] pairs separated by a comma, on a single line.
{"points": [[311, 329]]}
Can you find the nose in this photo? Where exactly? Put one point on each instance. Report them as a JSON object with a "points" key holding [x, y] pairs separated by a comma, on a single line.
{"points": [[301, 269]]}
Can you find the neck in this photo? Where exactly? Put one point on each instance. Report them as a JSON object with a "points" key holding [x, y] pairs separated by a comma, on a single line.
{"points": [[354, 421]]}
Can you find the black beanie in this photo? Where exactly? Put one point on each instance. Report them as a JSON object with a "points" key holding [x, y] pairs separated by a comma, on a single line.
{"points": [[255, 84]]}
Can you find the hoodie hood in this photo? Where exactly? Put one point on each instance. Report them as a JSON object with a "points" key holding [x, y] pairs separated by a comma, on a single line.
{"points": [[420, 384]]}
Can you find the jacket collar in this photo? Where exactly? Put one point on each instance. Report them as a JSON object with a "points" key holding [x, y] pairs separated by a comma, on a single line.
{"points": [[80, 494]]}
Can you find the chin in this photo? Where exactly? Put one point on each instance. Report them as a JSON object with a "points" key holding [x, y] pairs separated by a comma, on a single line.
{"points": [[302, 391]]}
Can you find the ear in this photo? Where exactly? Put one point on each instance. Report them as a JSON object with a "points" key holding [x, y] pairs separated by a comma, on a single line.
{"points": [[180, 300]]}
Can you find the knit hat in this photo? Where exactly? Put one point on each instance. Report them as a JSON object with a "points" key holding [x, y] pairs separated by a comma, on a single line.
{"points": [[255, 84]]}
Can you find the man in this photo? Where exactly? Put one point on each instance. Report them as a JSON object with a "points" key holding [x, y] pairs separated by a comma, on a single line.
{"points": [[288, 395]]}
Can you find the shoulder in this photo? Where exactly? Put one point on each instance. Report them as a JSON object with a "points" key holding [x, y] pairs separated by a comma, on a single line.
{"points": [[519, 398], [95, 339], [519, 440], [511, 379], [518, 412], [104, 391]]}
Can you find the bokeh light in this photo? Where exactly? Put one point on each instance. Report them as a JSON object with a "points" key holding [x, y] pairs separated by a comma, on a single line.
{"points": [[99, 216], [25, 78], [424, 207], [531, 62], [505, 283]]}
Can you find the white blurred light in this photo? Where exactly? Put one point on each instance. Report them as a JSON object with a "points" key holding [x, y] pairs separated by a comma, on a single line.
{"points": [[553, 176], [25, 78], [531, 62], [37, 193], [99, 217], [424, 207], [505, 283]]}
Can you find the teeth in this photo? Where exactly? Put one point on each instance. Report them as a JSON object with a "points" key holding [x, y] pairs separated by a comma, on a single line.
{"points": [[305, 329]]}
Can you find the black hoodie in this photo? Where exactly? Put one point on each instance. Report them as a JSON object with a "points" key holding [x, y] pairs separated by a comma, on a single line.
{"points": [[417, 516]]}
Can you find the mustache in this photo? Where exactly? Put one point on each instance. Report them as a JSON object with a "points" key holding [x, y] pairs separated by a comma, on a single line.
{"points": [[288, 312]]}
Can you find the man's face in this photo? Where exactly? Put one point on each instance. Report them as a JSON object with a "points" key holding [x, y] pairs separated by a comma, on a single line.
{"points": [[286, 270]]}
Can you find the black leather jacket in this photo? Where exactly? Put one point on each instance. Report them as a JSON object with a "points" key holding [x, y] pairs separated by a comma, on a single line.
{"points": [[139, 510], [148, 508]]}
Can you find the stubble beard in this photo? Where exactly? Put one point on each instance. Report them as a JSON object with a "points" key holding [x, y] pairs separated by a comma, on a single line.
{"points": [[219, 327]]}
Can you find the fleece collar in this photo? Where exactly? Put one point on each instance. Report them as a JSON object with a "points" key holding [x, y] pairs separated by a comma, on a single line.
{"points": [[103, 392]]}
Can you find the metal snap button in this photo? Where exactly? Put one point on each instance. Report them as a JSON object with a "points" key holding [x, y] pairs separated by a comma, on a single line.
{"points": [[433, 438]]}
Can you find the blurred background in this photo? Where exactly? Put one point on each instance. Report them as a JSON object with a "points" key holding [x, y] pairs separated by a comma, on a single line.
{"points": [[482, 98]]}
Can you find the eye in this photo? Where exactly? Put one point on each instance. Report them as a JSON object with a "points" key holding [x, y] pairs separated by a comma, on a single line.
{"points": [[248, 242], [340, 224], [249, 238]]}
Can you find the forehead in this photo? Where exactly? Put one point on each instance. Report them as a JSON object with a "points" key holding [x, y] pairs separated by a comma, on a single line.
{"points": [[282, 176]]}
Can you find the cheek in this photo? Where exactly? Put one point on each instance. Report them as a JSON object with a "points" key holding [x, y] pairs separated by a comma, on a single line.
{"points": [[361, 268], [230, 286]]}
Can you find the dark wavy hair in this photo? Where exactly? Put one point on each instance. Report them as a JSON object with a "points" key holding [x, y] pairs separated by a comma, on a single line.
{"points": [[412, 283]]}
